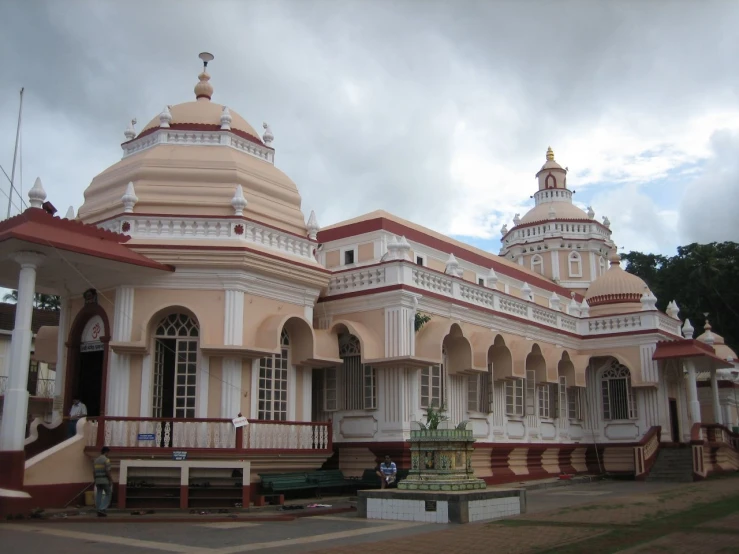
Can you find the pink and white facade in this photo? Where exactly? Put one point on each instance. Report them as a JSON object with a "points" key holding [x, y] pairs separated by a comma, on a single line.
{"points": [[193, 290]]}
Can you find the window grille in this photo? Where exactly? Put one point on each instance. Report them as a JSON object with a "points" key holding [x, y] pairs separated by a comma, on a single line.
{"points": [[273, 383], [514, 393], [618, 396], [176, 334]]}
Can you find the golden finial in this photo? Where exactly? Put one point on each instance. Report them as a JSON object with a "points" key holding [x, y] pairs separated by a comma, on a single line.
{"points": [[550, 154]]}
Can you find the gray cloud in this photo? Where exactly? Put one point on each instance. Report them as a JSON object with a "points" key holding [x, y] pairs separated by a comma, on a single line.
{"points": [[711, 203], [364, 97]]}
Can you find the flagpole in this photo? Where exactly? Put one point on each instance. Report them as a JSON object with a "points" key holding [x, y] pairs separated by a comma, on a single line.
{"points": [[15, 156]]}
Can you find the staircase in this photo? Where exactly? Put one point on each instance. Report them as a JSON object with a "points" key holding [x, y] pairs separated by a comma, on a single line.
{"points": [[673, 465]]}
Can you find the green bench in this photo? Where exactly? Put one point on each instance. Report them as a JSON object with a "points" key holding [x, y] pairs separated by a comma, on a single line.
{"points": [[283, 482], [329, 479]]}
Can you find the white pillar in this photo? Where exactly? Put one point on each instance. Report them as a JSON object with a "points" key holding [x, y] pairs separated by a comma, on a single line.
{"points": [[15, 407], [233, 333], [714, 397], [695, 406], [60, 375], [119, 369], [231, 388]]}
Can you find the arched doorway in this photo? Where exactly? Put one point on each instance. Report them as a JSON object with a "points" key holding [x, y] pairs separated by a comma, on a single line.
{"points": [[87, 358], [174, 390]]}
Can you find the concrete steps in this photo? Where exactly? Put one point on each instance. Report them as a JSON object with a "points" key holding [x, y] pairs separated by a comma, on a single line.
{"points": [[673, 465]]}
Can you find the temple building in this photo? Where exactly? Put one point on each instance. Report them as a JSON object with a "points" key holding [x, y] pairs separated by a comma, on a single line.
{"points": [[195, 293]]}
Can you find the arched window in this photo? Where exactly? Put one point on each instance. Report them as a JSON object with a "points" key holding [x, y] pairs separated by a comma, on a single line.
{"points": [[432, 384], [273, 381], [602, 265], [537, 264], [357, 381], [175, 367], [550, 182], [618, 396], [575, 264]]}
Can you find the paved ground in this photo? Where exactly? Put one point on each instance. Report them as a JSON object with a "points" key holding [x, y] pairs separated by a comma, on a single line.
{"points": [[599, 517]]}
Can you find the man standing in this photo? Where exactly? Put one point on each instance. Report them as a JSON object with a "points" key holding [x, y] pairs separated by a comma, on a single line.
{"points": [[78, 411], [387, 472], [103, 482]]}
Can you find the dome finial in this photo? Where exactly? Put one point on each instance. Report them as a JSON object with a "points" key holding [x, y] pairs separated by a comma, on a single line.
{"points": [[614, 257], [550, 154], [204, 89]]}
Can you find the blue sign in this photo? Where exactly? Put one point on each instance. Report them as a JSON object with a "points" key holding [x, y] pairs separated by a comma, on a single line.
{"points": [[146, 436], [179, 455]]}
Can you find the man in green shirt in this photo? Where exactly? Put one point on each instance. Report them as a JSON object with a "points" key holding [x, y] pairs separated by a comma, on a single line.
{"points": [[103, 482]]}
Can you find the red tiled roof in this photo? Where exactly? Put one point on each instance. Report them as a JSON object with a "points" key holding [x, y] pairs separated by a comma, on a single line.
{"points": [[687, 348], [41, 318], [39, 227]]}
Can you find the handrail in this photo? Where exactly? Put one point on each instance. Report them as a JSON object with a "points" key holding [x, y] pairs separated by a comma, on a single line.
{"points": [[645, 451]]}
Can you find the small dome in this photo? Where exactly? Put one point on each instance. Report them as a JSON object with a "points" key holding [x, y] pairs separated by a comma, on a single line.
{"points": [[717, 341], [616, 286], [202, 112], [562, 210]]}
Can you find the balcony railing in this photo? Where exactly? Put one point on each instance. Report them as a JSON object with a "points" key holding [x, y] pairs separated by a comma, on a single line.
{"points": [[44, 388], [160, 434], [407, 274]]}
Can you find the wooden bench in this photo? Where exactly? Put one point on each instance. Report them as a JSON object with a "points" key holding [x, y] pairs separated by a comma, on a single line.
{"points": [[277, 484], [329, 479]]}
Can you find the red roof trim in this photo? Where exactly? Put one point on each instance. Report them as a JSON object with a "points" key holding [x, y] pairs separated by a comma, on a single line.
{"points": [[200, 127], [231, 217], [686, 348], [625, 297], [384, 224], [38, 227], [38, 215]]}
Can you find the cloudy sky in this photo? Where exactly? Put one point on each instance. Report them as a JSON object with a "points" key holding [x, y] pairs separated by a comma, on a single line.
{"points": [[440, 112]]}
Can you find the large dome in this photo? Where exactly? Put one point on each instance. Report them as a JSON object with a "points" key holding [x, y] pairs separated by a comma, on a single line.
{"points": [[192, 160], [616, 286], [561, 211]]}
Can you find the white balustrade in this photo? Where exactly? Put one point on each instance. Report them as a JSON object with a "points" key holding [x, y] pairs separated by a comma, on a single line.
{"points": [[614, 324], [205, 228], [206, 434]]}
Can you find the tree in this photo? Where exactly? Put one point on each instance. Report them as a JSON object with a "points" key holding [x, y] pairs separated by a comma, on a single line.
{"points": [[701, 278], [40, 301]]}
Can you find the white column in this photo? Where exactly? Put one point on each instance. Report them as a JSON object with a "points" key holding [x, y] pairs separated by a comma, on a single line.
{"points": [[15, 407], [61, 359], [695, 406], [714, 398], [555, 264], [233, 334], [307, 393], [231, 388], [119, 369]]}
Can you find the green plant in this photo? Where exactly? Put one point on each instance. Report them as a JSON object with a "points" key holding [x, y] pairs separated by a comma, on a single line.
{"points": [[434, 416], [420, 321]]}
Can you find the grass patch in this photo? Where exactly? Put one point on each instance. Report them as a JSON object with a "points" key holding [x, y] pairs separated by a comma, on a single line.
{"points": [[654, 527]]}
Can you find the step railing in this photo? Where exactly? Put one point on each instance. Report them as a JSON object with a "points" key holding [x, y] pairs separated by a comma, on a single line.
{"points": [[645, 453]]}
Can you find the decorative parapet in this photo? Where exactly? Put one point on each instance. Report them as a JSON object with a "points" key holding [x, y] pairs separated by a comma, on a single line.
{"points": [[445, 435], [236, 230], [198, 138], [400, 273]]}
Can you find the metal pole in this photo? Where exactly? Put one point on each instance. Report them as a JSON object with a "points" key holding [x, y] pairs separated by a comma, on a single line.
{"points": [[15, 155]]}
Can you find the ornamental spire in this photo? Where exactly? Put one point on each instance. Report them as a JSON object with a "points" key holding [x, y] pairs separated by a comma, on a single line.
{"points": [[550, 154], [204, 89]]}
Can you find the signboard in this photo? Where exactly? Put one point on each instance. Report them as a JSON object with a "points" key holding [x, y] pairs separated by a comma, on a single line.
{"points": [[146, 436], [431, 505], [179, 455], [240, 422], [92, 347]]}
